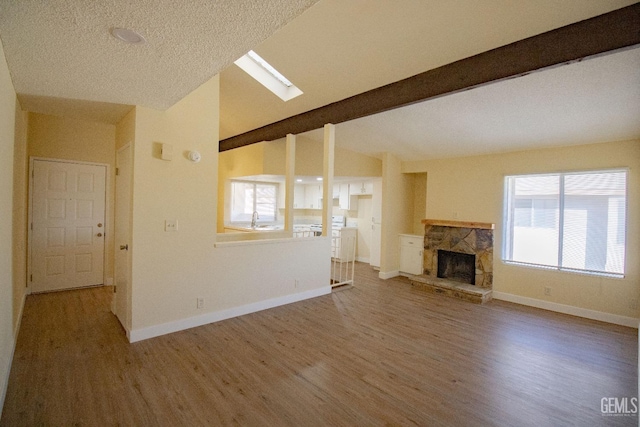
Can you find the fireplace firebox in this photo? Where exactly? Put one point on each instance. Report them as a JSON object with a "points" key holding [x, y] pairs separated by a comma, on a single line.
{"points": [[457, 266]]}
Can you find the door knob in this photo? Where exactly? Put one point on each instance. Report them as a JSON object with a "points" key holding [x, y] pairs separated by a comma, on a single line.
{"points": [[99, 234], [124, 247]]}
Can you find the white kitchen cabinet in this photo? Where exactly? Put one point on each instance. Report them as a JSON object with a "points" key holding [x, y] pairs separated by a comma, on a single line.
{"points": [[364, 188], [298, 196], [336, 191], [313, 196], [345, 198], [411, 254]]}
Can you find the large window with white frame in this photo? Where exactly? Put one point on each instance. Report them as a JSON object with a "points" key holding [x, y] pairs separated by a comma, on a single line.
{"points": [[248, 197], [574, 221]]}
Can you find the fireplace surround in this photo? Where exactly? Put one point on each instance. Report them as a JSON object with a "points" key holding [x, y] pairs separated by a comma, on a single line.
{"points": [[470, 240], [458, 236]]}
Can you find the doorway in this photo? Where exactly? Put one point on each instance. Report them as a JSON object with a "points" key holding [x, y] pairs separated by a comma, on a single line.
{"points": [[67, 209]]}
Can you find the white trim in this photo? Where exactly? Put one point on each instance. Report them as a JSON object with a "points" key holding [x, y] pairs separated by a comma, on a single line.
{"points": [[568, 309], [216, 316], [388, 274], [363, 259], [5, 386]]}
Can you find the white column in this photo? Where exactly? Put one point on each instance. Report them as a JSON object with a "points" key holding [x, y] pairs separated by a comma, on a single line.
{"points": [[289, 183], [327, 177]]}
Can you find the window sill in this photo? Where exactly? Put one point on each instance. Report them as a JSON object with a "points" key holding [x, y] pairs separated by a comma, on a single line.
{"points": [[565, 270]]}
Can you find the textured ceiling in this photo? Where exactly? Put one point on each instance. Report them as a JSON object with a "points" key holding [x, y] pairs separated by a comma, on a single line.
{"points": [[63, 49]]}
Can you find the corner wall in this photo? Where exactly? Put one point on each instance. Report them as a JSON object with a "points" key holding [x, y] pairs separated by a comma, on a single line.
{"points": [[7, 140], [472, 189], [20, 214], [397, 213]]}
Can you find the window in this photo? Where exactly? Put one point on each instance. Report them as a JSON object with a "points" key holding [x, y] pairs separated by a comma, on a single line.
{"points": [[569, 221], [250, 197]]}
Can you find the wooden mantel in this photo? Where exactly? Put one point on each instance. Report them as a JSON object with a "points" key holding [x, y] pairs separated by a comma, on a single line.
{"points": [[460, 224]]}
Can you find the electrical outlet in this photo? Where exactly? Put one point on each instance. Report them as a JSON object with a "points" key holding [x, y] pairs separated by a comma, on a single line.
{"points": [[170, 225], [547, 291], [296, 283], [200, 303]]}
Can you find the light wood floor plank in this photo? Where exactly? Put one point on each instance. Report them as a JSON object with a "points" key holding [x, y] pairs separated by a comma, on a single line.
{"points": [[380, 353]]}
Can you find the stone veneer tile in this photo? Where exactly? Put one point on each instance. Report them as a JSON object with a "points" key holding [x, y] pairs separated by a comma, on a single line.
{"points": [[459, 239]]}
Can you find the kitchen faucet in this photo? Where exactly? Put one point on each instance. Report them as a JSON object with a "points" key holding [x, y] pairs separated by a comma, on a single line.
{"points": [[254, 218]]}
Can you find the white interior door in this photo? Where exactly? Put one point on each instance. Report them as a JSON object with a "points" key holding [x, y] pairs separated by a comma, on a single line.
{"points": [[68, 212], [122, 304]]}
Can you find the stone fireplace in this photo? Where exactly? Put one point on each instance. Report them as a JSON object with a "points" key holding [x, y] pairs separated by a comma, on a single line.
{"points": [[463, 252], [457, 266]]}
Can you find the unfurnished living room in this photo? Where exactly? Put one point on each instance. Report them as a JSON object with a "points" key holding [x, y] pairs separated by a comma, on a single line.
{"points": [[319, 212]]}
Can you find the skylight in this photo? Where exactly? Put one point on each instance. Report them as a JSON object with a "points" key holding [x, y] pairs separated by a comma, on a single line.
{"points": [[264, 64], [254, 65]]}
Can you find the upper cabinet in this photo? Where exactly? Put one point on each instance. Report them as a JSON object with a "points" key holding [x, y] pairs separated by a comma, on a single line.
{"points": [[344, 195], [364, 188], [298, 196], [313, 196]]}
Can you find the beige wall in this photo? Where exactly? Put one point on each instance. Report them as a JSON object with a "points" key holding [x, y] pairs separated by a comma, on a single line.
{"points": [[7, 141], [126, 130], [471, 189], [419, 185], [73, 139], [20, 216], [397, 213], [170, 270]]}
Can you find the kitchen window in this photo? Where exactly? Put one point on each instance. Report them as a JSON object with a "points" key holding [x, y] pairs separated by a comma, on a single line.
{"points": [[567, 221], [249, 197]]}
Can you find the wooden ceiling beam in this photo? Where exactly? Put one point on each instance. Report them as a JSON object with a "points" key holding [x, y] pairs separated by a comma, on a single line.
{"points": [[600, 35]]}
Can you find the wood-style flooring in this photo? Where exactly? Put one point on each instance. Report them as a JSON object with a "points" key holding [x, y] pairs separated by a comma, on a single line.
{"points": [[380, 353]]}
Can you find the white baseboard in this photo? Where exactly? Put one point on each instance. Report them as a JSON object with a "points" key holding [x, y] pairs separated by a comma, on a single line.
{"points": [[216, 316], [363, 259], [384, 275], [16, 331], [568, 309]]}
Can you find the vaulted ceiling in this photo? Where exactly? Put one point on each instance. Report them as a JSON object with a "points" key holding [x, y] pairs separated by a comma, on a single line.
{"points": [[64, 61]]}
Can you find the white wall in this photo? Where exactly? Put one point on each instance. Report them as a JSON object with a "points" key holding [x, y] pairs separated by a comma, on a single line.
{"points": [[171, 270], [7, 138]]}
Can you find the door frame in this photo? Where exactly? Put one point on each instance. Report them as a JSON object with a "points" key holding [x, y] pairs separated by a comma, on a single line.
{"points": [[115, 309], [107, 213]]}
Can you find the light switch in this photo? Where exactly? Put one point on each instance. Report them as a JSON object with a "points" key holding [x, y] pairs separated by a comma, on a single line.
{"points": [[170, 225]]}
